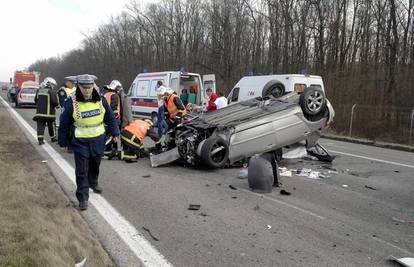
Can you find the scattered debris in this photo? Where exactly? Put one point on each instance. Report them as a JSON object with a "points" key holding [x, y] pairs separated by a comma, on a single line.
{"points": [[203, 214], [298, 152], [283, 171], [244, 172], [344, 185], [269, 227], [149, 232], [285, 193], [370, 187], [146, 176], [329, 168], [44, 161], [407, 262], [81, 263], [232, 187], [397, 171], [194, 207], [234, 197]]}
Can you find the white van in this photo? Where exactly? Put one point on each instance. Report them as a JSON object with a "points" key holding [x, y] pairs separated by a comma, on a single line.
{"points": [[275, 85], [189, 86]]}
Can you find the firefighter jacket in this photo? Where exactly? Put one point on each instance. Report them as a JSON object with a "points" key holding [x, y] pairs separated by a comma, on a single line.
{"points": [[46, 102]]}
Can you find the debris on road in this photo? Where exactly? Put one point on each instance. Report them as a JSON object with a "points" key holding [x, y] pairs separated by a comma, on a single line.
{"points": [[194, 207], [283, 171], [285, 193], [296, 153], [256, 207], [44, 161], [370, 187], [233, 187], [269, 227], [234, 197], [81, 263], [344, 185], [398, 220], [244, 172], [407, 262], [203, 214], [146, 176], [149, 232], [164, 158]]}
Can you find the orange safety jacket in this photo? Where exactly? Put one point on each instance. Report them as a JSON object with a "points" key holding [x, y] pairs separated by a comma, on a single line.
{"points": [[117, 111], [172, 107], [138, 128]]}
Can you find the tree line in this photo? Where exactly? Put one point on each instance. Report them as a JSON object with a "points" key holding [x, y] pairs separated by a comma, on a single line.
{"points": [[363, 49]]}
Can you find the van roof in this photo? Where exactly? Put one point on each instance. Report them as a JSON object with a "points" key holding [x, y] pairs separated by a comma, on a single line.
{"points": [[162, 74], [283, 75]]}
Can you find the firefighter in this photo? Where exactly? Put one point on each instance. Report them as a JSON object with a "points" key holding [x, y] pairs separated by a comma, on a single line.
{"points": [[174, 109], [86, 112], [132, 137], [46, 102]]}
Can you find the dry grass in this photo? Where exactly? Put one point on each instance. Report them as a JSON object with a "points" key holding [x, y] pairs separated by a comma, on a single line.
{"points": [[38, 225]]}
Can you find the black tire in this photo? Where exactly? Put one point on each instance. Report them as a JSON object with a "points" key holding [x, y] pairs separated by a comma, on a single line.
{"points": [[273, 88], [278, 154], [320, 153], [312, 101], [220, 158]]}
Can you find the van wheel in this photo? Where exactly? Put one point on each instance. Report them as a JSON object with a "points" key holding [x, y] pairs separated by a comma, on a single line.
{"points": [[154, 118], [273, 89], [215, 152], [312, 100]]}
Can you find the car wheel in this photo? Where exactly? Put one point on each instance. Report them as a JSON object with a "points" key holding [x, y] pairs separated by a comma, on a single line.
{"points": [[320, 153], [312, 100], [215, 152], [274, 89]]}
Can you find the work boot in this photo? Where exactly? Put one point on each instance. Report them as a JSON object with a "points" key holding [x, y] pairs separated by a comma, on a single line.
{"points": [[97, 189], [41, 142], [83, 205], [53, 139]]}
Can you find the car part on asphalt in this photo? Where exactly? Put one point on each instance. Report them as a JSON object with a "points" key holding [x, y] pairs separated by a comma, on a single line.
{"points": [[149, 232], [320, 153], [285, 193], [194, 207], [407, 262], [233, 187]]}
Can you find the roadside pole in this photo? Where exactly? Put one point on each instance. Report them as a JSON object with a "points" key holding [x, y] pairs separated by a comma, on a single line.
{"points": [[411, 127], [352, 118]]}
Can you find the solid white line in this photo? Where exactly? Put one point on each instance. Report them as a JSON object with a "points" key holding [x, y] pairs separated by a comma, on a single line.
{"points": [[373, 159], [392, 245], [141, 247], [284, 203]]}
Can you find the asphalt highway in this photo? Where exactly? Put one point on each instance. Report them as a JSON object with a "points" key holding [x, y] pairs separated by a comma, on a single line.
{"points": [[358, 216]]}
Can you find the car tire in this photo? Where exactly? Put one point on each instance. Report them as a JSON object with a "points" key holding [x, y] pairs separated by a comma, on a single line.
{"points": [[273, 88], [320, 153], [220, 158], [312, 101]]}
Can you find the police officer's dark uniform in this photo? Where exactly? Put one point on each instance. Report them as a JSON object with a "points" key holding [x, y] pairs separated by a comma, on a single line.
{"points": [[86, 118], [46, 102]]}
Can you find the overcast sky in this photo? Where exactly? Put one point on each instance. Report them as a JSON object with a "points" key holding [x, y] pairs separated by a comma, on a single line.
{"points": [[36, 29]]}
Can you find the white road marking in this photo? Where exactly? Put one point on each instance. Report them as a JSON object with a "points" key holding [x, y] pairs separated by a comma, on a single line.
{"points": [[141, 247], [373, 159], [391, 245], [283, 203]]}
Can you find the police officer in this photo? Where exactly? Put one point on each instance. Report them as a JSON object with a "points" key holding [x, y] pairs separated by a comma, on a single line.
{"points": [[67, 89], [46, 102], [86, 112]]}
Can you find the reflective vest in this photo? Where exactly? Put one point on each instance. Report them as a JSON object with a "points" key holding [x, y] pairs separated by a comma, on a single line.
{"points": [[172, 108], [88, 118], [138, 128], [70, 91], [117, 112]]}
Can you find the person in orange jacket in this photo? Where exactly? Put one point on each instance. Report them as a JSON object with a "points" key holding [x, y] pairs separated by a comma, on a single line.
{"points": [[132, 137], [174, 109]]}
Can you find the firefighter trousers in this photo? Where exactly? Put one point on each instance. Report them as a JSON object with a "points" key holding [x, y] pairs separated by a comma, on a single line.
{"points": [[51, 126]]}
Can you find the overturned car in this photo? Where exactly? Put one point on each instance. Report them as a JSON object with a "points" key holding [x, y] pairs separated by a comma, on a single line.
{"points": [[237, 132]]}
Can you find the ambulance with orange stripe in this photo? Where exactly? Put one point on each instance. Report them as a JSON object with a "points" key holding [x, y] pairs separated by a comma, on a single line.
{"points": [[189, 86]]}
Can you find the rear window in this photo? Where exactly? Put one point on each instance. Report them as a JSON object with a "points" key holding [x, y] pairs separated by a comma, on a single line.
{"points": [[29, 90]]}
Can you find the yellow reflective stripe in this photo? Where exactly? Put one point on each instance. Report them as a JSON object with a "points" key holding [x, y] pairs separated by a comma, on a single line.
{"points": [[89, 132], [45, 115], [125, 156], [130, 141]]}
